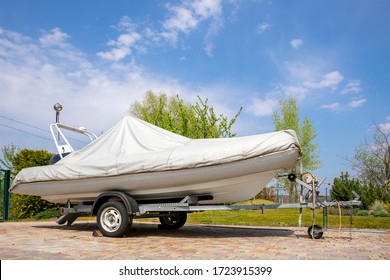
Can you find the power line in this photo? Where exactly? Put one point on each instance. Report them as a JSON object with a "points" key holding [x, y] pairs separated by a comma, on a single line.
{"points": [[20, 130], [24, 123], [32, 126], [36, 135]]}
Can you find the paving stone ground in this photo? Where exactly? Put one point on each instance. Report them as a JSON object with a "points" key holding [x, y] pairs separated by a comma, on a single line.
{"points": [[47, 241]]}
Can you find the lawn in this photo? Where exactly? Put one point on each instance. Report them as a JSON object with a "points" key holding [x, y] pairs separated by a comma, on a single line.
{"points": [[285, 217]]}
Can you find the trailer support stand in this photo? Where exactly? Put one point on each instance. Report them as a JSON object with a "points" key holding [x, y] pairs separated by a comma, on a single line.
{"points": [[325, 217]]}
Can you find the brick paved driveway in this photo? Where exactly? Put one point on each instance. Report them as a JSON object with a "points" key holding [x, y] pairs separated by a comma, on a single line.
{"points": [[46, 240]]}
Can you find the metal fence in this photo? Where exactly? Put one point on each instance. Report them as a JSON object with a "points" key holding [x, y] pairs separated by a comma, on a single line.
{"points": [[5, 183], [1, 194]]}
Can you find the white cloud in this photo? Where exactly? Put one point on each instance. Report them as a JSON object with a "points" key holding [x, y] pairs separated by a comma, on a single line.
{"points": [[182, 19], [261, 28], [87, 91], [298, 72], [211, 33], [333, 107], [115, 54], [121, 47], [353, 86], [206, 8], [298, 92], [125, 24], [55, 38], [385, 127], [355, 103], [303, 79], [170, 36], [296, 43], [329, 80], [209, 47], [188, 15], [338, 107], [262, 107], [33, 78], [128, 39]]}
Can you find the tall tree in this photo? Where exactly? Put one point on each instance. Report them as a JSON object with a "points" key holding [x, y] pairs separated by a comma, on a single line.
{"points": [[173, 114], [287, 117]]}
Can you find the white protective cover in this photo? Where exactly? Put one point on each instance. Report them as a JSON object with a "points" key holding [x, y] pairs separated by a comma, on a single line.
{"points": [[134, 146]]}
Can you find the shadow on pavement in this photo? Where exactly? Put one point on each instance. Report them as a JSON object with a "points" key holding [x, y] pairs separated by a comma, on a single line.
{"points": [[188, 231]]}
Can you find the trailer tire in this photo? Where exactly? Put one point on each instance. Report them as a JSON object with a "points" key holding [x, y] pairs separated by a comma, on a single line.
{"points": [[315, 232], [112, 219], [176, 221]]}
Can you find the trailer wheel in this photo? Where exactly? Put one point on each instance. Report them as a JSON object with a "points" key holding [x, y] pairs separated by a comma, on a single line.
{"points": [[315, 232], [112, 219], [175, 221]]}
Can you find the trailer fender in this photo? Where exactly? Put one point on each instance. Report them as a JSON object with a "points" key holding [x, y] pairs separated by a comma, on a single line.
{"points": [[129, 202]]}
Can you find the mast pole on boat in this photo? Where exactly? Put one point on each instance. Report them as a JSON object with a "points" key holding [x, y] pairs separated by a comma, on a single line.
{"points": [[58, 108]]}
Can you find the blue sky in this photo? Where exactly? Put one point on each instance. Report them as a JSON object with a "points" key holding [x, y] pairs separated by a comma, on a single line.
{"points": [[97, 57]]}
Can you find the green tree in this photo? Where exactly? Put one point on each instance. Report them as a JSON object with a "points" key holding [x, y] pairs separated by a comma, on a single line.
{"points": [[25, 206], [288, 118], [370, 193], [343, 187], [173, 114]]}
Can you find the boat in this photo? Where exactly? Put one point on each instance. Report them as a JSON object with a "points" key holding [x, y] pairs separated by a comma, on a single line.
{"points": [[152, 164]]}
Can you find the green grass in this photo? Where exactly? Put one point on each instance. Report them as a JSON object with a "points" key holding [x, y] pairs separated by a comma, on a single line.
{"points": [[284, 217]]}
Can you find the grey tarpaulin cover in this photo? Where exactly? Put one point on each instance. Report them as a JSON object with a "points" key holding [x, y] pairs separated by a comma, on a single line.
{"points": [[134, 146]]}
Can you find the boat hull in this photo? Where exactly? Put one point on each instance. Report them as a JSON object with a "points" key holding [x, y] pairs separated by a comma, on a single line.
{"points": [[223, 183]]}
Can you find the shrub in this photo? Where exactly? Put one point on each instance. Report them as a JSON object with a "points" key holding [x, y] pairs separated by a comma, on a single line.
{"points": [[387, 207], [362, 213], [380, 214], [24, 206], [378, 206], [47, 214], [378, 209]]}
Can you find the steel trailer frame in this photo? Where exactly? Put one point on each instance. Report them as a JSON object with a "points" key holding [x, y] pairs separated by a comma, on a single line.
{"points": [[189, 204]]}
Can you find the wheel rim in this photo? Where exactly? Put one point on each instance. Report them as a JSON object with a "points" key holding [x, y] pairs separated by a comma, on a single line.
{"points": [[111, 219], [315, 232], [171, 220]]}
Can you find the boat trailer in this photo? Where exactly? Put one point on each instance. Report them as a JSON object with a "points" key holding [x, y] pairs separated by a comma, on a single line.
{"points": [[115, 211]]}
